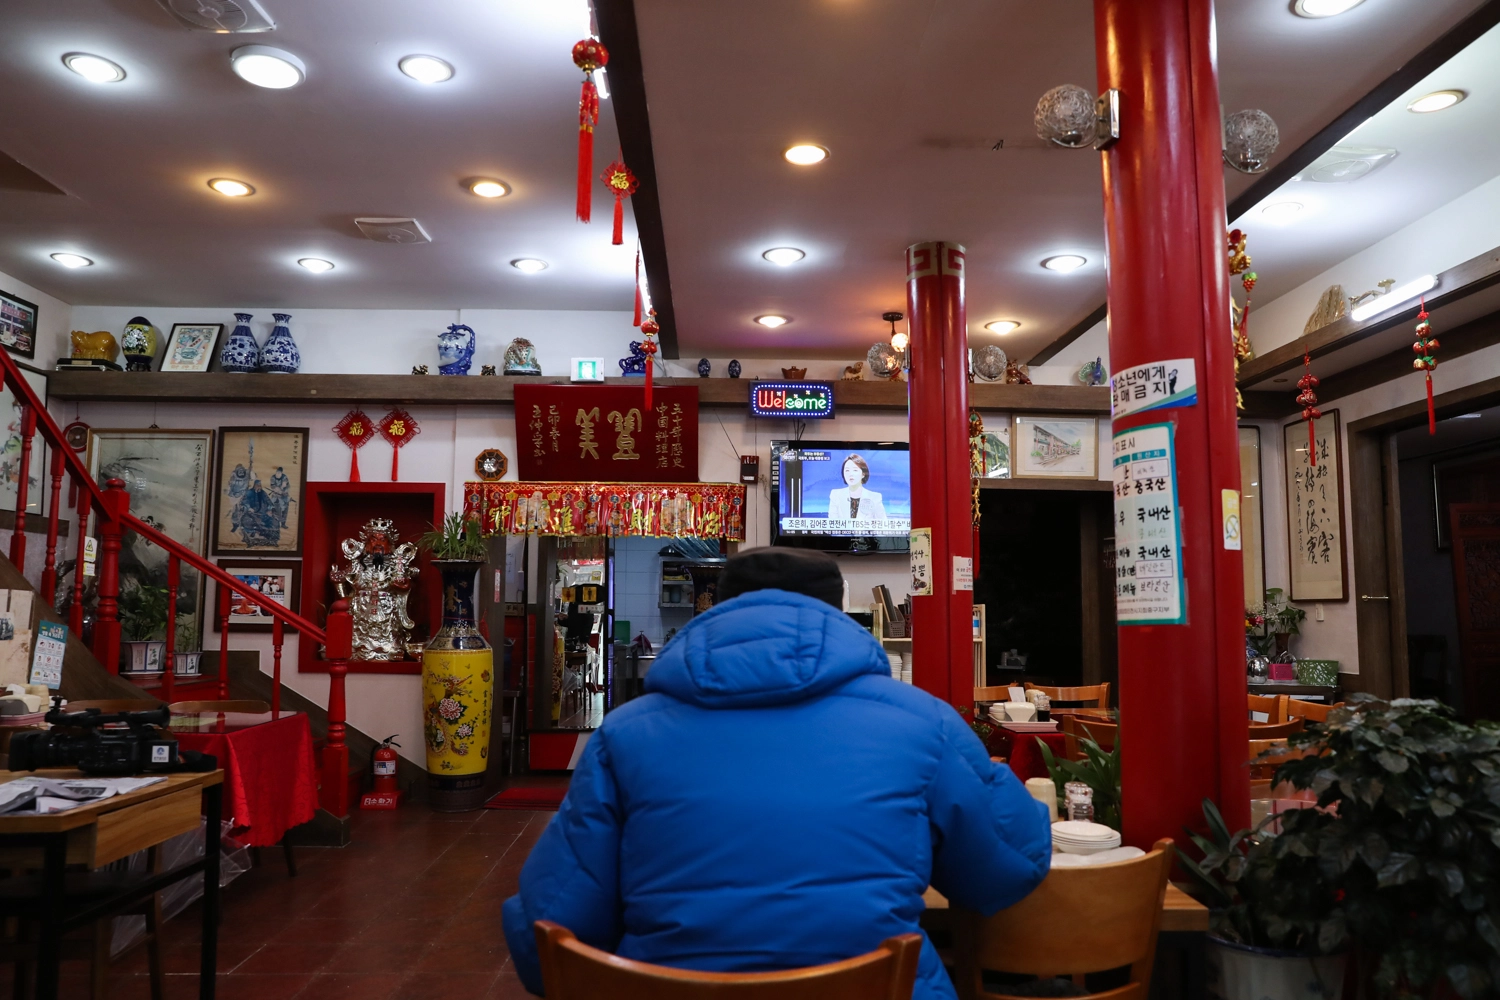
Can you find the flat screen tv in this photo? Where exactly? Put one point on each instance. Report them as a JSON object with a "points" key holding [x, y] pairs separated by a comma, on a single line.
{"points": [[841, 496]]}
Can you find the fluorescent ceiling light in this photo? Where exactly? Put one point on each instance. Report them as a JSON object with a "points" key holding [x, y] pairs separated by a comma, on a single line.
{"points": [[426, 69], [1002, 326], [230, 188], [264, 66], [95, 69], [1324, 8], [1064, 262], [1281, 212], [1467, 416], [1438, 100], [783, 256], [1395, 297], [528, 265], [317, 265], [72, 260], [805, 154], [601, 84], [772, 321], [486, 187]]}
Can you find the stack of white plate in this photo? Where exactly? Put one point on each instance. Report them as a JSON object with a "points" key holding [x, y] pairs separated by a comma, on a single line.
{"points": [[895, 661], [1076, 837], [1102, 858]]}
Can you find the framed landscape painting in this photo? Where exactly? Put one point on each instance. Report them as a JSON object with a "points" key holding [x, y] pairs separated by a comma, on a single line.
{"points": [[1055, 447], [10, 448], [260, 476], [265, 580]]}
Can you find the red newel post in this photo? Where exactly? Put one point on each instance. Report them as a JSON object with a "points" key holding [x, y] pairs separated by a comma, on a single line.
{"points": [[54, 512], [339, 630], [23, 489], [276, 643], [111, 527], [1182, 686], [225, 596]]}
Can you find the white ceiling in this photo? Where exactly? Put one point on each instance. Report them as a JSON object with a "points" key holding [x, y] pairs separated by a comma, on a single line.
{"points": [[356, 139]]}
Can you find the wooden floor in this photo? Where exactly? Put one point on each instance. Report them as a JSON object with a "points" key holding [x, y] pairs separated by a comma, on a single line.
{"points": [[410, 910]]}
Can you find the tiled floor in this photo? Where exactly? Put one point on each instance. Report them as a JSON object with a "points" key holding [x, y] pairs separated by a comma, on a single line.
{"points": [[410, 910]]}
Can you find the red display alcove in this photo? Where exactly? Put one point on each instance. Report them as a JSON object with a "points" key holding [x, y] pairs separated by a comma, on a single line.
{"points": [[336, 511]]}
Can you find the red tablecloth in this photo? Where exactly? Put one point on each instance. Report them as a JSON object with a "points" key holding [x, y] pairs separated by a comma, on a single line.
{"points": [[270, 780], [1021, 751]]}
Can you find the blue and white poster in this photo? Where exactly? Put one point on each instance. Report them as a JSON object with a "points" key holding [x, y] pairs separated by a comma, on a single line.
{"points": [[1159, 385], [1148, 532]]}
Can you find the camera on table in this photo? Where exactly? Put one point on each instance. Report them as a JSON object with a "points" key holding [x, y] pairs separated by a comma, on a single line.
{"points": [[80, 740]]}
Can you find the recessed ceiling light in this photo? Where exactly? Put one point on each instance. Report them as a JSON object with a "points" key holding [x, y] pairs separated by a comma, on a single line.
{"points": [[317, 265], [486, 187], [783, 256], [805, 154], [1282, 211], [426, 69], [528, 265], [231, 188], [1064, 262], [268, 67], [1002, 326], [1324, 8], [1439, 100], [95, 69], [772, 321], [72, 260]]}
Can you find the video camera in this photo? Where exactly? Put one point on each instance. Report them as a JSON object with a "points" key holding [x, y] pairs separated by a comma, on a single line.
{"points": [[143, 746]]}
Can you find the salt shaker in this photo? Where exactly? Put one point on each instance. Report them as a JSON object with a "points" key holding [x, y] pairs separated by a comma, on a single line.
{"points": [[1080, 801]]}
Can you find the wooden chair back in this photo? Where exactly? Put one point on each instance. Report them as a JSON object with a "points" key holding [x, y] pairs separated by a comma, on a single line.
{"points": [[111, 705], [247, 706], [1097, 694], [990, 695], [1312, 711], [1079, 920], [571, 970], [1273, 706], [1100, 731], [1275, 730]]}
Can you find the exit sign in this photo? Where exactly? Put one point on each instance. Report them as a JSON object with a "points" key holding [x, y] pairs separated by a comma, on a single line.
{"points": [[802, 400]]}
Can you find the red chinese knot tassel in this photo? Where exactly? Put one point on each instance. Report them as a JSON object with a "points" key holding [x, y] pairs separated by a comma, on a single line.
{"points": [[354, 431], [1426, 351], [1308, 399], [397, 427], [621, 183], [649, 330], [588, 55]]}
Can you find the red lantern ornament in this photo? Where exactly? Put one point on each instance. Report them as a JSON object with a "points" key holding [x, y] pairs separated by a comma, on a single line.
{"points": [[649, 330], [588, 55], [622, 184], [397, 427], [1308, 400], [1426, 351], [355, 430]]}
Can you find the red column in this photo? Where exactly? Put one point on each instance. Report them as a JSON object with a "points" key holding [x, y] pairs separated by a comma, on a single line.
{"points": [[942, 623], [1182, 687], [107, 621]]}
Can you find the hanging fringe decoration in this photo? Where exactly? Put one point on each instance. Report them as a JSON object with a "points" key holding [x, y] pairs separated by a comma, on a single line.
{"points": [[1239, 320], [649, 330], [1426, 350], [1310, 412], [637, 320], [622, 184], [588, 55], [976, 472], [354, 431], [397, 427]]}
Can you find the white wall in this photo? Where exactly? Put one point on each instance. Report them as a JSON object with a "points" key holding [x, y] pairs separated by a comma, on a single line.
{"points": [[53, 322]]}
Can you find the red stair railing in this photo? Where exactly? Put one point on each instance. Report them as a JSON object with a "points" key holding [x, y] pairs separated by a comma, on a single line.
{"points": [[110, 509]]}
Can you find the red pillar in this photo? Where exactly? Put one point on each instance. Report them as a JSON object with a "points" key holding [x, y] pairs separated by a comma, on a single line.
{"points": [[942, 623], [1182, 687]]}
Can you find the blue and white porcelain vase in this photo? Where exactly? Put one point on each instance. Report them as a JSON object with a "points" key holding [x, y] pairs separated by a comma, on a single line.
{"points": [[240, 352], [280, 354], [456, 350]]}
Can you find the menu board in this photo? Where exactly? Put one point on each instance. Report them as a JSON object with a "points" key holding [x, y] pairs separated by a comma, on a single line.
{"points": [[1148, 535], [1315, 511]]}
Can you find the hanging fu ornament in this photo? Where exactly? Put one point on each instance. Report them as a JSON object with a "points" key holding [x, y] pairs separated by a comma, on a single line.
{"points": [[1426, 350], [355, 430], [622, 184], [397, 427], [588, 55], [649, 330], [1308, 400]]}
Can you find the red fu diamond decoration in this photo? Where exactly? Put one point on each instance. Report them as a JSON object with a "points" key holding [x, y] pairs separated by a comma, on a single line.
{"points": [[397, 427], [355, 430]]}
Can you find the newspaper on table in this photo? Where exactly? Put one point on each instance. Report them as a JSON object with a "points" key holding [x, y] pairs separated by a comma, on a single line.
{"points": [[34, 795]]}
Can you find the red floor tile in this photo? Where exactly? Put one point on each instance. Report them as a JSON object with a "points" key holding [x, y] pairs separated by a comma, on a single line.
{"points": [[444, 986]]}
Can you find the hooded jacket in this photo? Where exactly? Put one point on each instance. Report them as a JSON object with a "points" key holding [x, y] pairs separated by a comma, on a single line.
{"points": [[776, 800]]}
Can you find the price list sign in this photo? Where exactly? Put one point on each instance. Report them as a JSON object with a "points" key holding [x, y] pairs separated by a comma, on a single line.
{"points": [[1148, 535]]}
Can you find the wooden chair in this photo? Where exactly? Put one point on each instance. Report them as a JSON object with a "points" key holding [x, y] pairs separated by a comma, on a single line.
{"points": [[1275, 730], [247, 706], [1273, 706], [1079, 920], [1097, 694], [1312, 711], [571, 970], [1100, 731]]}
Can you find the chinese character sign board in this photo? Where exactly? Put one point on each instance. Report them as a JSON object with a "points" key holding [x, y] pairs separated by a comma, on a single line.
{"points": [[1148, 533], [604, 433], [1315, 511]]}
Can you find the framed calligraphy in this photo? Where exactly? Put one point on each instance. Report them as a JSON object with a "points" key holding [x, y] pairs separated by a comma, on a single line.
{"points": [[587, 433], [1315, 511]]}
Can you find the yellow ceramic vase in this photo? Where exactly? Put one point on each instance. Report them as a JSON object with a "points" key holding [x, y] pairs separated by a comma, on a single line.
{"points": [[458, 683]]}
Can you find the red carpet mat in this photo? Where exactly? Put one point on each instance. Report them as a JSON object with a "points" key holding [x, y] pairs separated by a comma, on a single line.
{"points": [[531, 797]]}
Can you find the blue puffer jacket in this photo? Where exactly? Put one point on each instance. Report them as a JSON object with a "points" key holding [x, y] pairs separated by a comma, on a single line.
{"points": [[776, 800]]}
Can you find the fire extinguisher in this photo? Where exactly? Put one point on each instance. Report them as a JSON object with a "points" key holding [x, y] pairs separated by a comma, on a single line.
{"points": [[385, 766]]}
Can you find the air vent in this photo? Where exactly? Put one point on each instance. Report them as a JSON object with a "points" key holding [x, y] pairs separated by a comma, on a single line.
{"points": [[1346, 164], [222, 16], [393, 230]]}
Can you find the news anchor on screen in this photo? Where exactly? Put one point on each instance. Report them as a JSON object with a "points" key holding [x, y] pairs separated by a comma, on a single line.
{"points": [[853, 502]]}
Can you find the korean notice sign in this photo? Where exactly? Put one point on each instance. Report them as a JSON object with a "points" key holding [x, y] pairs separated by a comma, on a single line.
{"points": [[1155, 386], [1148, 533]]}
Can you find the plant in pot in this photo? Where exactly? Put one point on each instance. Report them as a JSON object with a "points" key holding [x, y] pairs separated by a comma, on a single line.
{"points": [[143, 623], [187, 658], [1275, 622], [1099, 769]]}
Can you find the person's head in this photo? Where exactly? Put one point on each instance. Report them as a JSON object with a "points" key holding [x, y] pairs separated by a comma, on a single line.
{"points": [[856, 470], [814, 574]]}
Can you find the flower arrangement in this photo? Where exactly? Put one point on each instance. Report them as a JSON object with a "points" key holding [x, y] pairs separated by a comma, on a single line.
{"points": [[1270, 625]]}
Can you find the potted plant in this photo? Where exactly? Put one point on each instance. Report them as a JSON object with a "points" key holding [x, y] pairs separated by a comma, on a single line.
{"points": [[143, 622], [187, 658], [1099, 769], [1270, 627]]}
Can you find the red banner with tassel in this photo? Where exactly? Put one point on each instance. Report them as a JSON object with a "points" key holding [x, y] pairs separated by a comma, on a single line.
{"points": [[622, 184], [354, 431], [1308, 399], [588, 55]]}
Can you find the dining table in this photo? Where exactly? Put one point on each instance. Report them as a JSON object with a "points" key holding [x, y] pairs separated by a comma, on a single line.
{"points": [[1023, 751], [270, 776]]}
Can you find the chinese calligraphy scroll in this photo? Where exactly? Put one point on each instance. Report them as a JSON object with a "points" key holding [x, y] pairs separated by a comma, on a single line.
{"points": [[1315, 511], [606, 434], [652, 510]]}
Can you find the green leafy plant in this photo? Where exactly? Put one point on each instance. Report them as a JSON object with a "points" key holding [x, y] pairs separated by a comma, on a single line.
{"points": [[983, 728], [189, 638], [1275, 616], [143, 612], [456, 539], [1099, 769]]}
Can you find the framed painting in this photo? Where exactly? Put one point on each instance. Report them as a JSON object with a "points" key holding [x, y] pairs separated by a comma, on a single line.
{"points": [[191, 346], [1252, 517], [10, 450], [17, 325], [167, 474], [260, 478], [265, 580], [1054, 447], [1315, 510]]}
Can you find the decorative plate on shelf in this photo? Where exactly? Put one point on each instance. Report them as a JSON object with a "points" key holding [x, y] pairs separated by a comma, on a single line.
{"points": [[989, 363], [490, 465]]}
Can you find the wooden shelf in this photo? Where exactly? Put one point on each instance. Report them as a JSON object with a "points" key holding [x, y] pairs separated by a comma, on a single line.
{"points": [[482, 390]]}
